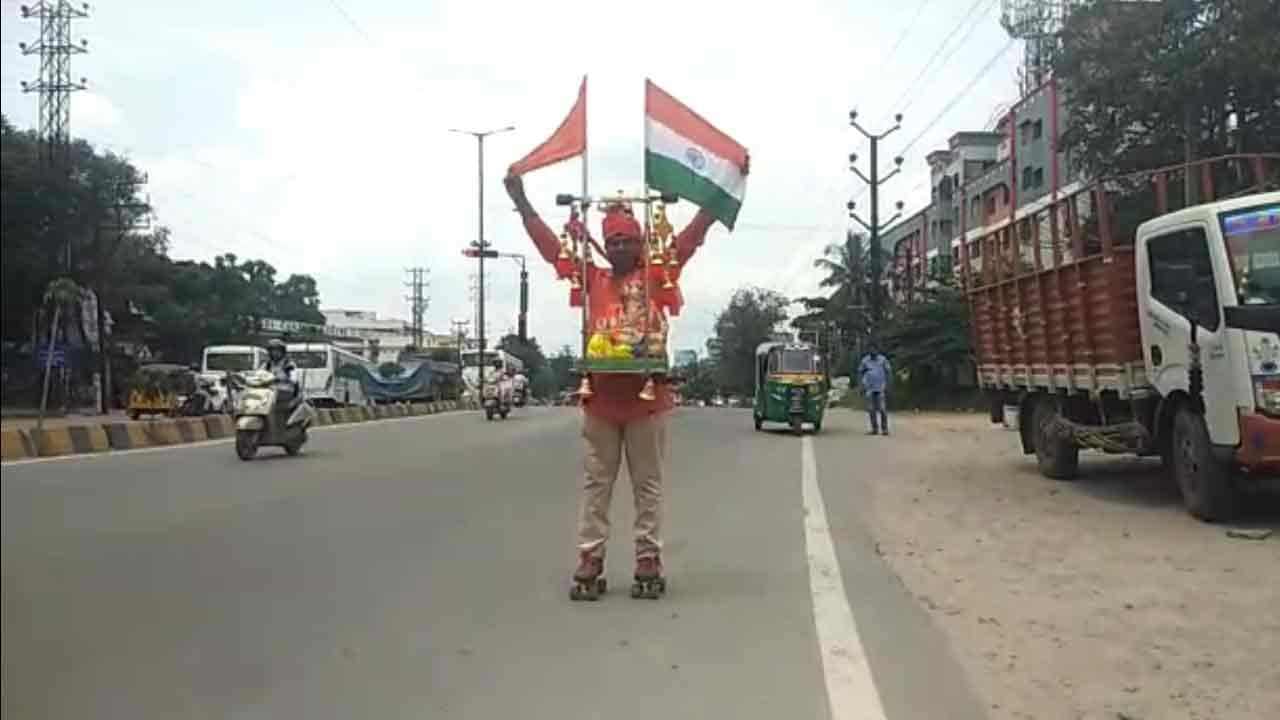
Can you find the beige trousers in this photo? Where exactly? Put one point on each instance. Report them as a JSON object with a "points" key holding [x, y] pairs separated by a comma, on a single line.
{"points": [[644, 441]]}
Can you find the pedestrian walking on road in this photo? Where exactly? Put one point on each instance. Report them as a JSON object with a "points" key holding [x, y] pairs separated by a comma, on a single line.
{"points": [[874, 373], [616, 420]]}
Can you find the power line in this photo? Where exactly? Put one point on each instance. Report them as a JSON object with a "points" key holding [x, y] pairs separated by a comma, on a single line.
{"points": [[351, 21], [963, 91], [902, 36], [910, 87], [977, 20]]}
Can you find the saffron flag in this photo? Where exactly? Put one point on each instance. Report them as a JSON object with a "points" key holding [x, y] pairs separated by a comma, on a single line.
{"points": [[569, 140]]}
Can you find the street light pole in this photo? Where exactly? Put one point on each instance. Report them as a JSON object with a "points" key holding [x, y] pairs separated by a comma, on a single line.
{"points": [[480, 243]]}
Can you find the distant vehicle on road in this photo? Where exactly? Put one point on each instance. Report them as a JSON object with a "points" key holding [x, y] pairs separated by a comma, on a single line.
{"points": [[217, 360], [317, 372], [495, 364]]}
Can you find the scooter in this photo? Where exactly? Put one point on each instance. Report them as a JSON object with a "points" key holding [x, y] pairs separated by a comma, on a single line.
{"points": [[495, 403], [519, 398], [270, 413]]}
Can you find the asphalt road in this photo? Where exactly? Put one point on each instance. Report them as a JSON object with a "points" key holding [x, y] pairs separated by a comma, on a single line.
{"points": [[419, 569]]}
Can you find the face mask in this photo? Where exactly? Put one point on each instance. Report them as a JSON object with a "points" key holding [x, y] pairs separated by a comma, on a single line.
{"points": [[622, 256]]}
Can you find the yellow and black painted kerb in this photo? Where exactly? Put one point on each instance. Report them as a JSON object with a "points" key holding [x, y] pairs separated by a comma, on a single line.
{"points": [[16, 445], [70, 440], [218, 426], [191, 430]]}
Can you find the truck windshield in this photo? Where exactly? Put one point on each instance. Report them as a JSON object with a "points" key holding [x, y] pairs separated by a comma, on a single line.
{"points": [[309, 359], [1253, 244], [228, 362]]}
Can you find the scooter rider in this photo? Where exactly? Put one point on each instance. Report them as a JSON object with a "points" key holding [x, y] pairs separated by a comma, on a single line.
{"points": [[279, 365]]}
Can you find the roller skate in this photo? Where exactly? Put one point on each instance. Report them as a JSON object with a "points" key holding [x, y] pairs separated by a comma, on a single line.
{"points": [[588, 579], [649, 582]]}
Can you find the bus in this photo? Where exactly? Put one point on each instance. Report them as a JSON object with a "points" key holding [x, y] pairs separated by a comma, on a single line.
{"points": [[317, 367], [217, 360], [472, 361]]}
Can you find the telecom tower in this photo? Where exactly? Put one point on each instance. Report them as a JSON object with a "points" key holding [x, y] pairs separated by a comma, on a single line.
{"points": [[55, 86], [1037, 23]]}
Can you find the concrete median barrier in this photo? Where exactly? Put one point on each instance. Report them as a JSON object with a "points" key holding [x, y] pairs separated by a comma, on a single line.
{"points": [[162, 432], [191, 430], [15, 445], [70, 440], [218, 426], [126, 436]]}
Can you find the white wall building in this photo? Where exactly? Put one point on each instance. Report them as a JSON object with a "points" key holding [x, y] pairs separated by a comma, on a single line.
{"points": [[376, 339]]}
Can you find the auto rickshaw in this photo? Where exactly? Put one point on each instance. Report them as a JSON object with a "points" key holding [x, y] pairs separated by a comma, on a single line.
{"points": [[791, 386], [156, 388]]}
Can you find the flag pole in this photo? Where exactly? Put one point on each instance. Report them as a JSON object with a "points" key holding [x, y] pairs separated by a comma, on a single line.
{"points": [[586, 234]]}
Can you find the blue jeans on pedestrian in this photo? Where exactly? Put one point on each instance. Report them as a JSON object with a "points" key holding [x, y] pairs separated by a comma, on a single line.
{"points": [[878, 412]]}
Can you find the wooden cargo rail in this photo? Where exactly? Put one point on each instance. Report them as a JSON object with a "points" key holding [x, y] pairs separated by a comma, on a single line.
{"points": [[1052, 289]]}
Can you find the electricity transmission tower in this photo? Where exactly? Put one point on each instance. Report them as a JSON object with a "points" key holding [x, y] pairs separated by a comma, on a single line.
{"points": [[418, 302], [55, 85]]}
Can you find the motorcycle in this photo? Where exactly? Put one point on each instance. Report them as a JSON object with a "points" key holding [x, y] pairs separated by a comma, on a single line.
{"points": [[272, 413], [519, 398]]}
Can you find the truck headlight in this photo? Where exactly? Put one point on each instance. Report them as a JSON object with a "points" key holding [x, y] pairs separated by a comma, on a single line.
{"points": [[1266, 395]]}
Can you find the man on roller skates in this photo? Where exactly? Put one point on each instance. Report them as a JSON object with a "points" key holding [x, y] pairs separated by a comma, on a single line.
{"points": [[615, 418]]}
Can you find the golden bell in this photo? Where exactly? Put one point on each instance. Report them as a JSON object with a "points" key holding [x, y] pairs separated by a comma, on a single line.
{"points": [[564, 247], [666, 281], [649, 392], [584, 388], [655, 257], [575, 282]]}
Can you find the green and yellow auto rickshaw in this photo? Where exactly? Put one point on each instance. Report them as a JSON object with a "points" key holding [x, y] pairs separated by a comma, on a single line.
{"points": [[791, 386]]}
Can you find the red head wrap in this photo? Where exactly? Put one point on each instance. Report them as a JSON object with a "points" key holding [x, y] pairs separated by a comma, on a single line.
{"points": [[619, 222]]}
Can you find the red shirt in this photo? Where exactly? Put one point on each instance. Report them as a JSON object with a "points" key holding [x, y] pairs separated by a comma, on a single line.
{"points": [[617, 309]]}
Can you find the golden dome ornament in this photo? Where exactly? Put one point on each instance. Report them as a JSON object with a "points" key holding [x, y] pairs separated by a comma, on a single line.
{"points": [[564, 247]]}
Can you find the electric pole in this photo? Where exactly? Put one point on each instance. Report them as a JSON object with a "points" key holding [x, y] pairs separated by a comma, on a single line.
{"points": [[460, 332], [875, 226], [418, 302], [55, 85], [480, 243], [130, 215]]}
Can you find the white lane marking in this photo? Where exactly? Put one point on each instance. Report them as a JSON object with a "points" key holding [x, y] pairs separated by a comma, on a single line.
{"points": [[851, 691], [207, 443]]}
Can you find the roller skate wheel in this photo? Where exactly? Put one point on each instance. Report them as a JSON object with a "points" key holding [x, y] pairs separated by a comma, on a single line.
{"points": [[602, 586], [637, 591], [579, 593]]}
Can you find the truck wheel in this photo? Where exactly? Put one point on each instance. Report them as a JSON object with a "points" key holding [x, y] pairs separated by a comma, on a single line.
{"points": [[759, 424], [1208, 490], [1057, 458]]}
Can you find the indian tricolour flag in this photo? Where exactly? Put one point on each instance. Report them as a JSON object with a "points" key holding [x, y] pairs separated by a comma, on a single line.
{"points": [[687, 156]]}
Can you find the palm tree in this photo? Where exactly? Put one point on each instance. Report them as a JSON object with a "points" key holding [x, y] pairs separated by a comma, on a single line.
{"points": [[62, 292], [848, 271]]}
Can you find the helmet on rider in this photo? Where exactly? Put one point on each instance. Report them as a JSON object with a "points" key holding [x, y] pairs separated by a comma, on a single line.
{"points": [[276, 351]]}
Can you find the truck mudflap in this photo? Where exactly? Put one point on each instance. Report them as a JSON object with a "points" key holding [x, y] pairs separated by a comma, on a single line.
{"points": [[1259, 450]]}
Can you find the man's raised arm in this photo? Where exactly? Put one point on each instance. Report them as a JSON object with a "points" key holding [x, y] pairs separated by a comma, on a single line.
{"points": [[543, 237]]}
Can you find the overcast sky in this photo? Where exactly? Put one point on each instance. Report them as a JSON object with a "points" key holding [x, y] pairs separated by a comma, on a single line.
{"points": [[313, 134]]}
